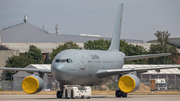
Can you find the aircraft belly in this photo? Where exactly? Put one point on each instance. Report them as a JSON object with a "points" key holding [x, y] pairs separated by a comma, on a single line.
{"points": [[86, 81]]}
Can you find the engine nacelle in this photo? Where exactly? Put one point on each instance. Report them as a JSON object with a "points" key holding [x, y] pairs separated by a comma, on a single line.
{"points": [[128, 83], [32, 84]]}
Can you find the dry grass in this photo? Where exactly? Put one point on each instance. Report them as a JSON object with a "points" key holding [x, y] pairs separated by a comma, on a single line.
{"points": [[143, 88], [103, 92], [23, 93], [157, 93], [94, 93], [138, 93]]}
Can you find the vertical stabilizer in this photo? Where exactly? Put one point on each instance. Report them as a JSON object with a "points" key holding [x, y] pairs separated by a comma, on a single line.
{"points": [[117, 30]]}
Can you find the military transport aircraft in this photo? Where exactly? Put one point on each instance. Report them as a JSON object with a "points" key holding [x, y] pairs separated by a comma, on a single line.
{"points": [[92, 67]]}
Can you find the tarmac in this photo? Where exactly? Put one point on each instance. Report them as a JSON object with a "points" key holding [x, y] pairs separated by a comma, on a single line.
{"points": [[94, 98]]}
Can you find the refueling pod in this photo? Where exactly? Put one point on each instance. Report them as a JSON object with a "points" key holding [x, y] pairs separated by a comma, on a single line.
{"points": [[128, 83], [32, 84]]}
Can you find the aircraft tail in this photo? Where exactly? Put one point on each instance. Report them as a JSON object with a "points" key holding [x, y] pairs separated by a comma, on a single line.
{"points": [[117, 30]]}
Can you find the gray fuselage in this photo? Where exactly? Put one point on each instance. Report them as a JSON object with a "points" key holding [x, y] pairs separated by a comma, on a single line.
{"points": [[79, 67]]}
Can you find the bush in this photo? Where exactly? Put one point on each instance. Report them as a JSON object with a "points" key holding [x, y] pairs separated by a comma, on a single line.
{"points": [[1, 89]]}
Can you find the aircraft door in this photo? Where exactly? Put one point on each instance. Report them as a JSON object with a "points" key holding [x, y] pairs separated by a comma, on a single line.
{"points": [[81, 60]]}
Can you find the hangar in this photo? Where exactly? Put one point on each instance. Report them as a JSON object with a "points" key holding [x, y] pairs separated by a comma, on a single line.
{"points": [[17, 38], [174, 42]]}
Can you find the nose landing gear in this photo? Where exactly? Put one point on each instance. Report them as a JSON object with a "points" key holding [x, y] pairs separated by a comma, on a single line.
{"points": [[60, 93]]}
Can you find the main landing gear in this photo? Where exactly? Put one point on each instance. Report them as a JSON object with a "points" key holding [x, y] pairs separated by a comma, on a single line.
{"points": [[119, 93]]}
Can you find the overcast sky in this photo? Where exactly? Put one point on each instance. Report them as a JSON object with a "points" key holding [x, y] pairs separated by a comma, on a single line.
{"points": [[141, 18]]}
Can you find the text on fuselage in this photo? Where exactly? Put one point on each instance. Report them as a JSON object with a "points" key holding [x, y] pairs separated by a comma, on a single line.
{"points": [[94, 56]]}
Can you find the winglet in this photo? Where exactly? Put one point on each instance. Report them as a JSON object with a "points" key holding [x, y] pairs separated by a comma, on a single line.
{"points": [[117, 30]]}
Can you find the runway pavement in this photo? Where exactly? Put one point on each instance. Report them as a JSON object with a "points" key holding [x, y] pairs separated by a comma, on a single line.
{"points": [[94, 98]]}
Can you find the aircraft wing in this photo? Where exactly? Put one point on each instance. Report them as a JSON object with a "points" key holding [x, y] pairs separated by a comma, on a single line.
{"points": [[26, 69], [110, 72], [136, 57]]}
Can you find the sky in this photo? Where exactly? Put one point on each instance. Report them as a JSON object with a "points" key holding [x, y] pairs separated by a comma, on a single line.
{"points": [[141, 18]]}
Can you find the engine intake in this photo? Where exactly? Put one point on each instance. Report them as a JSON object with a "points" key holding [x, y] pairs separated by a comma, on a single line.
{"points": [[128, 83], [32, 84]]}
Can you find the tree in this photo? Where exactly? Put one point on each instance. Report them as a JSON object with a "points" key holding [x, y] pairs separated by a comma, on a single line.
{"points": [[19, 61], [126, 48], [130, 50], [163, 47], [33, 56], [100, 44], [67, 45]]}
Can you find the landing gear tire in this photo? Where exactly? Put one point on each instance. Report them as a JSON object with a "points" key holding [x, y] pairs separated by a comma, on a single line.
{"points": [[119, 93], [82, 97], [72, 94], [59, 94], [66, 94], [124, 94]]}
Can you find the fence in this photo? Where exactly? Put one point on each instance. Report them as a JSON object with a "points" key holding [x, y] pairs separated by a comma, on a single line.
{"points": [[173, 82], [49, 83], [9, 86]]}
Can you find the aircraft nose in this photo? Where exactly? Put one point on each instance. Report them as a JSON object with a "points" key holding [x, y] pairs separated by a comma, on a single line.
{"points": [[57, 67], [58, 71]]}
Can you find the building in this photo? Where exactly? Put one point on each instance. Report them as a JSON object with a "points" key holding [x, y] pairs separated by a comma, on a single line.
{"points": [[174, 42], [50, 82], [16, 39], [172, 76]]}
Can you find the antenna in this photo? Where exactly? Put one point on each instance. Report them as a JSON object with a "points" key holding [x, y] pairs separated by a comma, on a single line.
{"points": [[57, 29], [25, 18], [43, 25]]}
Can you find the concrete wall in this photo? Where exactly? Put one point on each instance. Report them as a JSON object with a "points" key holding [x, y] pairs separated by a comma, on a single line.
{"points": [[4, 54]]}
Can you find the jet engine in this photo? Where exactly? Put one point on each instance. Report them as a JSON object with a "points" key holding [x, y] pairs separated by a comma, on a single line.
{"points": [[32, 84], [128, 83]]}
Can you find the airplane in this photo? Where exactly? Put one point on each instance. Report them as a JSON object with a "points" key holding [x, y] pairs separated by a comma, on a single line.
{"points": [[92, 67]]}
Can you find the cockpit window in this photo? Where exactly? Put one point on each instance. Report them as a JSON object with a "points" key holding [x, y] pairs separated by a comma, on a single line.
{"points": [[69, 60], [57, 60], [63, 60]]}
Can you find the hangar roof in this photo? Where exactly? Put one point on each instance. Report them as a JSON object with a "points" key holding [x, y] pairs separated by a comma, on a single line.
{"points": [[39, 66], [147, 45], [162, 71], [22, 35], [28, 33], [173, 41]]}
